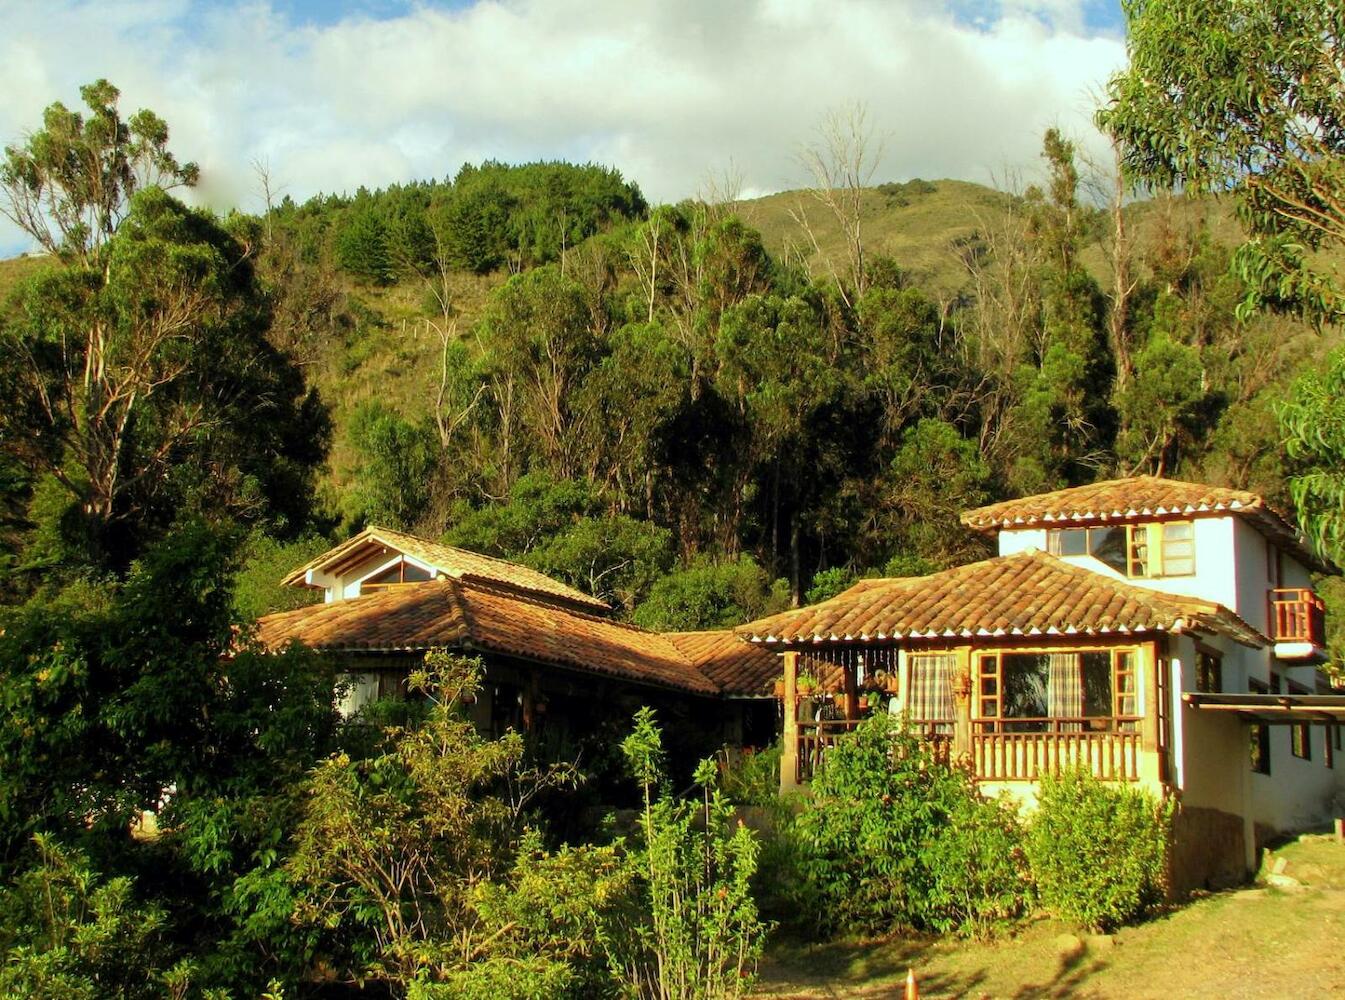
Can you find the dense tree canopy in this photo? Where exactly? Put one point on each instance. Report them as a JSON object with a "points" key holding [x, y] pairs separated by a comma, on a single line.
{"points": [[1244, 96]]}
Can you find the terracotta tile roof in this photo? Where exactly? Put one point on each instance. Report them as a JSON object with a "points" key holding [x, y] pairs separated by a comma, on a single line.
{"points": [[448, 560], [1140, 498], [1026, 594], [478, 615], [737, 667]]}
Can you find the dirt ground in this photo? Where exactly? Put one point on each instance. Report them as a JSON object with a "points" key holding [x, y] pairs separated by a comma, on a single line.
{"points": [[1257, 941]]}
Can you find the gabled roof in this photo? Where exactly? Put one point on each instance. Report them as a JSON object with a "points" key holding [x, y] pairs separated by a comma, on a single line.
{"points": [[1138, 498], [1026, 594], [446, 559], [477, 615]]}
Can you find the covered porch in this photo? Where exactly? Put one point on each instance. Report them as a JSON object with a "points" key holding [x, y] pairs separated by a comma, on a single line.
{"points": [[1004, 713]]}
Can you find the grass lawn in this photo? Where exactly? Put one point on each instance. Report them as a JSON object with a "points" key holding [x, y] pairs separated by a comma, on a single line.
{"points": [[1250, 942]]}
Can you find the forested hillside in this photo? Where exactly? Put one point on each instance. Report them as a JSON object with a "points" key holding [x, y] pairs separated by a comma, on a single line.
{"points": [[700, 412], [674, 407]]}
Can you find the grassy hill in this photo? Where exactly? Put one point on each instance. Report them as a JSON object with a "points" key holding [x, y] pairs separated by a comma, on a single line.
{"points": [[384, 349], [916, 224]]}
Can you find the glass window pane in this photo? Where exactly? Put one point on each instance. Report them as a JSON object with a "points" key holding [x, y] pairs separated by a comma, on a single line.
{"points": [[1108, 545], [1068, 541], [414, 574], [1097, 680], [1139, 550], [1025, 680]]}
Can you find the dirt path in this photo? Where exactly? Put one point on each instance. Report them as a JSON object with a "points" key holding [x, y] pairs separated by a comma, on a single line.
{"points": [[1252, 942]]}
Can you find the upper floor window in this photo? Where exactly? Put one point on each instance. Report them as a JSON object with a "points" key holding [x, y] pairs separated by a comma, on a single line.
{"points": [[1135, 550], [399, 573], [1209, 670]]}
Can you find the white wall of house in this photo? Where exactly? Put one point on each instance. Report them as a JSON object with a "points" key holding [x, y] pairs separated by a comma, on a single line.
{"points": [[1212, 750], [1232, 566]]}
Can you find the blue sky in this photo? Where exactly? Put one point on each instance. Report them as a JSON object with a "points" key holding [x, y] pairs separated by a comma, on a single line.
{"points": [[334, 95]]}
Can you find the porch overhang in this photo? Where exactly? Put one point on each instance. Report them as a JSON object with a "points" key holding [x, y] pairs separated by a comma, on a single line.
{"points": [[1273, 709]]}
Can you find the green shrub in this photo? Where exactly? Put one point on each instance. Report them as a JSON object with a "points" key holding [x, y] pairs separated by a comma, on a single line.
{"points": [[752, 777], [891, 838], [702, 937], [66, 931], [1098, 852]]}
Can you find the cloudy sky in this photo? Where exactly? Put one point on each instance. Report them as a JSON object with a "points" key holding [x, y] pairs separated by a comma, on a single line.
{"points": [[331, 95]]}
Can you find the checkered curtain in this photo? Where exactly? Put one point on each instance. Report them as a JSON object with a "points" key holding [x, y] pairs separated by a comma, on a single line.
{"points": [[1064, 689], [930, 698]]}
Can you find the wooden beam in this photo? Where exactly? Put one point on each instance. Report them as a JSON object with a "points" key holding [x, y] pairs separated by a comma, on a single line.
{"points": [[789, 753]]}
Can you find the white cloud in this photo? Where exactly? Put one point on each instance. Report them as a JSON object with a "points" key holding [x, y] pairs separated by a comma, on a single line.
{"points": [[665, 92]]}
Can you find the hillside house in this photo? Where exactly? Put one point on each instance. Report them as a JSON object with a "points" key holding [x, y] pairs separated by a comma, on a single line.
{"points": [[558, 666], [1159, 633], [1156, 632]]}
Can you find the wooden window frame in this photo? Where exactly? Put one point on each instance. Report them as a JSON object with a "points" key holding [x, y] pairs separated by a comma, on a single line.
{"points": [[1144, 547], [1258, 749], [989, 688], [1204, 653], [1300, 740], [369, 586]]}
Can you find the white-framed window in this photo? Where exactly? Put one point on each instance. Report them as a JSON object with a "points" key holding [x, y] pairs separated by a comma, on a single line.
{"points": [[1138, 551]]}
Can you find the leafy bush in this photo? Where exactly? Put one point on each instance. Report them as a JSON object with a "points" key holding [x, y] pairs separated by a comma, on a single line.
{"points": [[703, 936], [1098, 852], [65, 931], [891, 838], [752, 777], [709, 595]]}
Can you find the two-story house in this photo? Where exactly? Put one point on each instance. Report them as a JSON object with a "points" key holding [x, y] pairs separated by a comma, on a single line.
{"points": [[1159, 633], [1156, 632]]}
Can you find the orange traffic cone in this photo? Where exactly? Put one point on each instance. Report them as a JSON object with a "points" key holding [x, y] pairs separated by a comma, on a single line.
{"points": [[912, 991]]}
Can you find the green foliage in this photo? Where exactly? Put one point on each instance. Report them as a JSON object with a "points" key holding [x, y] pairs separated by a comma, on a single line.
{"points": [[709, 595], [703, 937], [397, 463], [264, 563], [1313, 421], [143, 382], [396, 850], [362, 247], [68, 932], [1247, 97], [69, 184], [615, 558], [1098, 852], [934, 476], [890, 838], [752, 777], [828, 583]]}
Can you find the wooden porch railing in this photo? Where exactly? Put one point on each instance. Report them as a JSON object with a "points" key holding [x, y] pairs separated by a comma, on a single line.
{"points": [[1026, 756], [1297, 615], [817, 738]]}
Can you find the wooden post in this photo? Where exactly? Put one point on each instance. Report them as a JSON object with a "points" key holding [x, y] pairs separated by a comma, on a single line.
{"points": [[530, 702], [964, 682], [789, 751], [850, 690], [1149, 672]]}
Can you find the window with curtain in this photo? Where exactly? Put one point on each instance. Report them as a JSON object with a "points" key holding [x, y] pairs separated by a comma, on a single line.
{"points": [[1057, 691], [929, 698]]}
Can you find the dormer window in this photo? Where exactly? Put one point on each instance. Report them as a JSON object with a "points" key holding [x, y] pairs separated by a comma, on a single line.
{"points": [[1138, 551], [399, 573]]}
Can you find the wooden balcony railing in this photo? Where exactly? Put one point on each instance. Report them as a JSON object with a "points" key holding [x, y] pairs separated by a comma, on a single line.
{"points": [[1035, 747], [817, 738], [1297, 615]]}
